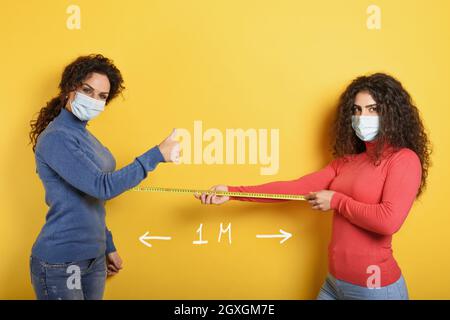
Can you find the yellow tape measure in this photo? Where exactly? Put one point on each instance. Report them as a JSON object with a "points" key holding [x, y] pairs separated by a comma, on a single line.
{"points": [[224, 193]]}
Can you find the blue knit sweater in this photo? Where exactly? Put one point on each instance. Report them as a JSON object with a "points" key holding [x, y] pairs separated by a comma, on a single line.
{"points": [[79, 175]]}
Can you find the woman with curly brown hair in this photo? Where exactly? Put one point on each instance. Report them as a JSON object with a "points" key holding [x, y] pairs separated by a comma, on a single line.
{"points": [[74, 251], [381, 164]]}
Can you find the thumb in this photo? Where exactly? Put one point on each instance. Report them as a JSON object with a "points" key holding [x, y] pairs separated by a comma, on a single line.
{"points": [[173, 134], [311, 195]]}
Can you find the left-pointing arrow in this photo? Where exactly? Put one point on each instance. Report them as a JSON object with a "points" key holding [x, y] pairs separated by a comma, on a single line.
{"points": [[147, 237]]}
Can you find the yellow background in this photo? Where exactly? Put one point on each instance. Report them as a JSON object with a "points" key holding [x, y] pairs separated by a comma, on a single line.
{"points": [[230, 64]]}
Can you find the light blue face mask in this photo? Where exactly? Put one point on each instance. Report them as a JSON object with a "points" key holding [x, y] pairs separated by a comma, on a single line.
{"points": [[366, 127], [86, 108]]}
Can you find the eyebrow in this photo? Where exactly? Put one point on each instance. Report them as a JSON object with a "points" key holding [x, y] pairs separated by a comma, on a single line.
{"points": [[368, 106], [84, 83]]}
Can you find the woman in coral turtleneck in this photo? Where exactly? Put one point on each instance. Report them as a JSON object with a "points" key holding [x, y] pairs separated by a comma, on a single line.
{"points": [[381, 159]]}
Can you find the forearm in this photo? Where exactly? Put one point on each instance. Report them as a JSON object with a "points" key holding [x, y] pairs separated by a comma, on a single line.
{"points": [[109, 185], [399, 192], [384, 218], [318, 180], [110, 247], [74, 166]]}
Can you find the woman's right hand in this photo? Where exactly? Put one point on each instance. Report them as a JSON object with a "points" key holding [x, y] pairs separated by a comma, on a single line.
{"points": [[212, 198], [170, 148]]}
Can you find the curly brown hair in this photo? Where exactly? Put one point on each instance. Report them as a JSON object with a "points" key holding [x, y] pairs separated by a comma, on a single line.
{"points": [[400, 122], [71, 79]]}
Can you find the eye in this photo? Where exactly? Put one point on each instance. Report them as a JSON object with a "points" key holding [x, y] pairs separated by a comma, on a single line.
{"points": [[356, 109], [86, 90], [373, 109], [103, 97]]}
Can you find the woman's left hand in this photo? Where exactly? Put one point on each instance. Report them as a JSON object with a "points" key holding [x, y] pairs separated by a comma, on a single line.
{"points": [[113, 263], [320, 200]]}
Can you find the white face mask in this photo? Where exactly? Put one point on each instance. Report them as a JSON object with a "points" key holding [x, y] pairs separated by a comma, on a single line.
{"points": [[86, 108], [366, 127]]}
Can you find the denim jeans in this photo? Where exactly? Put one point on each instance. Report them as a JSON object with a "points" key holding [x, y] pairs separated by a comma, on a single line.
{"points": [[334, 289], [79, 280]]}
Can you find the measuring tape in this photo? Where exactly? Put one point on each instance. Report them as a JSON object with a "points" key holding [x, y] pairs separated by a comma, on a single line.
{"points": [[224, 193]]}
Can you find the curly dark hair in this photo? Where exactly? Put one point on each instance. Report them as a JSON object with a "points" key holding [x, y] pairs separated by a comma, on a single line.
{"points": [[71, 79], [400, 122]]}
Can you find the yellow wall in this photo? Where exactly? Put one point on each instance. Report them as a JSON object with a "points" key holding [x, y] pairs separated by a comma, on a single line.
{"points": [[229, 64]]}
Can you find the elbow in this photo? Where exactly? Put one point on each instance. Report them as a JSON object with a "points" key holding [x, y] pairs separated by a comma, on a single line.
{"points": [[106, 195], [104, 198], [103, 195], [104, 190], [388, 228], [390, 221]]}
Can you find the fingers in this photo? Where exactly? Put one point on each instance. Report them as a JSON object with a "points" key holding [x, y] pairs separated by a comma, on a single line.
{"points": [[203, 198], [175, 153], [213, 197], [117, 264], [110, 271], [112, 267], [311, 196], [314, 201], [206, 198], [210, 196]]}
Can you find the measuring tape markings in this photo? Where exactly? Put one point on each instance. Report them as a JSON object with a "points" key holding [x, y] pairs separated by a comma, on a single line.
{"points": [[224, 193]]}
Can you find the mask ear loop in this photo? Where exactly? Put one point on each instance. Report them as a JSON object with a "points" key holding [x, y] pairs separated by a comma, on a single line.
{"points": [[66, 100], [67, 97]]}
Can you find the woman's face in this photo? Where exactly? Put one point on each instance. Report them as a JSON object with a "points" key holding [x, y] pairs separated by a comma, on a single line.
{"points": [[95, 85], [364, 105]]}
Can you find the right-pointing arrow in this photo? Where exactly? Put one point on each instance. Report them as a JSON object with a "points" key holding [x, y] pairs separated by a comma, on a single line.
{"points": [[284, 235]]}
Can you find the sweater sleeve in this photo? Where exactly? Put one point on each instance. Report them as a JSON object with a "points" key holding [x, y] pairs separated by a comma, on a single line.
{"points": [[400, 189], [110, 247], [62, 153], [315, 181]]}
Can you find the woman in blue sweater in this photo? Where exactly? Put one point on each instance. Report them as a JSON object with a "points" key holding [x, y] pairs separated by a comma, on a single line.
{"points": [[74, 251]]}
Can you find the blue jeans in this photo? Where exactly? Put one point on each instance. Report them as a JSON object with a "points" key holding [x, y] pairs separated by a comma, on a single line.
{"points": [[334, 289], [80, 280]]}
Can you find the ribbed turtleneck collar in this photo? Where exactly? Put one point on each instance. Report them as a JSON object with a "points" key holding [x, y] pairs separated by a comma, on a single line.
{"points": [[371, 146], [68, 118]]}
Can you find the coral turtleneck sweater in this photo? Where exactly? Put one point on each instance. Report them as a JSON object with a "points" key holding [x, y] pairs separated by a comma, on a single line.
{"points": [[370, 204]]}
